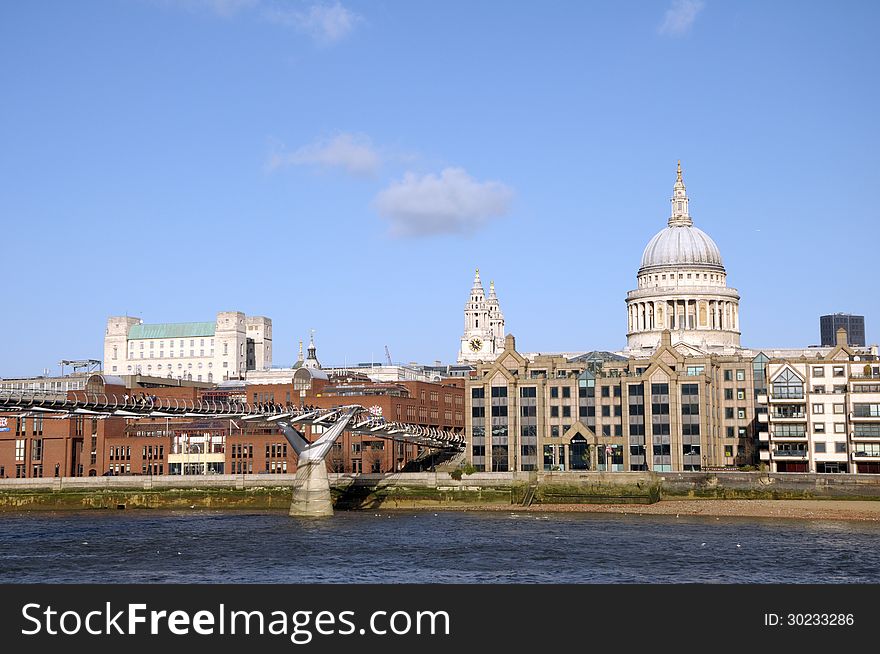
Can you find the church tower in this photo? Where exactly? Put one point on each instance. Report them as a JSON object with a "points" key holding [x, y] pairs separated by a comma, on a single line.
{"points": [[483, 337]]}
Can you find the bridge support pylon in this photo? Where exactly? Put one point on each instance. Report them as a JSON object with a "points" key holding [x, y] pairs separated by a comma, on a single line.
{"points": [[311, 491], [311, 487]]}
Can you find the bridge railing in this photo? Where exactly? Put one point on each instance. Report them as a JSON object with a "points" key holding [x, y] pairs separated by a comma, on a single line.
{"points": [[143, 405]]}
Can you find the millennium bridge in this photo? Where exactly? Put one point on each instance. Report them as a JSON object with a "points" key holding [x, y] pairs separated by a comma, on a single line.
{"points": [[311, 487]]}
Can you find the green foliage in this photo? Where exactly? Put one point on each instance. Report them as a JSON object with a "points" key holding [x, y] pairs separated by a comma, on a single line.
{"points": [[469, 469], [456, 475]]}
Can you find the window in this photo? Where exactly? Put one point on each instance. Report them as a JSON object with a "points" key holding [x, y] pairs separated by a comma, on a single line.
{"points": [[819, 448], [741, 414], [818, 408], [480, 392], [740, 393], [728, 413], [528, 391], [840, 389], [566, 391], [37, 449], [740, 375], [788, 385], [499, 391], [554, 411], [838, 408], [819, 427], [617, 391], [19, 449], [839, 428], [742, 432], [728, 393], [606, 391], [606, 411], [566, 411], [695, 370], [838, 371], [728, 375], [861, 410], [840, 448], [861, 430], [818, 371], [818, 389], [554, 391], [730, 432]]}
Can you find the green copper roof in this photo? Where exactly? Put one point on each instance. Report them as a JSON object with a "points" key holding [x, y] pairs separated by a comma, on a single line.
{"points": [[172, 330]]}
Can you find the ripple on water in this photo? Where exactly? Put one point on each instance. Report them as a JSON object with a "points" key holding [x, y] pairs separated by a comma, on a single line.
{"points": [[450, 547]]}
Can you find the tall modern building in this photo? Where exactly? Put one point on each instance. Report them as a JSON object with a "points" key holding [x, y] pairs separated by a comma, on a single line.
{"points": [[682, 287], [854, 326]]}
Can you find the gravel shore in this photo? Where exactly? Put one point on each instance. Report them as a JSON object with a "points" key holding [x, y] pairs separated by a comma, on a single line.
{"points": [[868, 511]]}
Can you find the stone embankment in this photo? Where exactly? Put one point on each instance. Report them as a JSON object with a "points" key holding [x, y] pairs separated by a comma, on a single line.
{"points": [[750, 494]]}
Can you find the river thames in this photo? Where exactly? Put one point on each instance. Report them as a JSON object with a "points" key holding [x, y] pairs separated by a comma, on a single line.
{"points": [[201, 546]]}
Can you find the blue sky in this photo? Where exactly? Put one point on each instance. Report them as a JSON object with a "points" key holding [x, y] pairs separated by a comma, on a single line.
{"points": [[344, 166]]}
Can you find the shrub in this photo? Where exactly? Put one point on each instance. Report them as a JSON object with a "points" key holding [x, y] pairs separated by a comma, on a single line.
{"points": [[455, 474]]}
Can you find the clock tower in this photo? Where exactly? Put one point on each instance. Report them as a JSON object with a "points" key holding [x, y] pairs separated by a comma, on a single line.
{"points": [[483, 338]]}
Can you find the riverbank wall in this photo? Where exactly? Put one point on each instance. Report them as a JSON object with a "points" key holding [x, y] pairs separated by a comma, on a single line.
{"points": [[428, 490]]}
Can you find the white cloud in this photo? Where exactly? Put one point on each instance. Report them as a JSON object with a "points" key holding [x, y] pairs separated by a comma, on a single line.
{"points": [[326, 23], [451, 203], [354, 153], [680, 17]]}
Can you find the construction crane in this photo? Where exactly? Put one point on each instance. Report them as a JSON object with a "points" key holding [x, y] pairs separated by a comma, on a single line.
{"points": [[388, 356]]}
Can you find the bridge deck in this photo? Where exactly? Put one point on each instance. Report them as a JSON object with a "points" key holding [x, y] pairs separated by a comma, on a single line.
{"points": [[107, 405]]}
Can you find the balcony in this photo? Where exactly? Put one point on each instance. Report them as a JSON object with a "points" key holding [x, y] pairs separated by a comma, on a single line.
{"points": [[789, 454], [790, 397], [761, 398], [763, 436], [789, 436], [865, 375], [763, 417], [764, 455], [789, 416], [866, 454], [855, 418]]}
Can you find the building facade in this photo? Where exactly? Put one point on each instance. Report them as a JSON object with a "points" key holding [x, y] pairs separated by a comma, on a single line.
{"points": [[824, 412], [669, 411], [196, 351], [483, 337]]}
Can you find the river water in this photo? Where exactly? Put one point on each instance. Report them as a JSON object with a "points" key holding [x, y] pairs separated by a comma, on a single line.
{"points": [[201, 546]]}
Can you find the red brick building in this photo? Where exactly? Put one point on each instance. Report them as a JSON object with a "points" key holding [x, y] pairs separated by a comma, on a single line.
{"points": [[45, 446]]}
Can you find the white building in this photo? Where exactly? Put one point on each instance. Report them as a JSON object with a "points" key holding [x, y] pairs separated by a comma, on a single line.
{"points": [[483, 338], [682, 287], [824, 411], [198, 351]]}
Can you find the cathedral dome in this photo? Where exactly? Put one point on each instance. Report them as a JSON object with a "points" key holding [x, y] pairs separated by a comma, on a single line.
{"points": [[681, 246]]}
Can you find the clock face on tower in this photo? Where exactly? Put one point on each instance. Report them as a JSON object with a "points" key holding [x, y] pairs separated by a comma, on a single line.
{"points": [[475, 344]]}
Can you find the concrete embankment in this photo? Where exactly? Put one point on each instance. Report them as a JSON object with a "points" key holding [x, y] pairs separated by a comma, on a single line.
{"points": [[430, 490]]}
